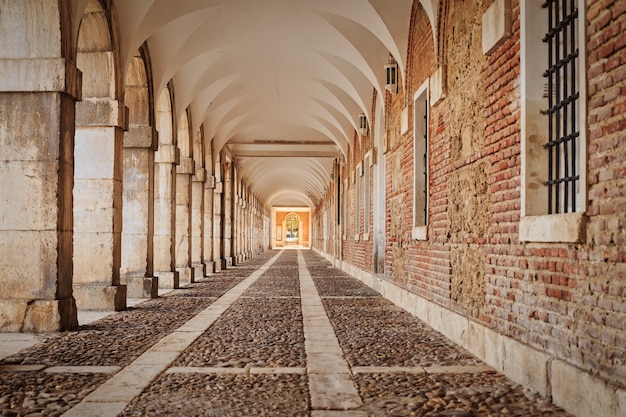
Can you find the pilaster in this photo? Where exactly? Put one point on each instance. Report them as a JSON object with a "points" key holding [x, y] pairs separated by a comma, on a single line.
{"points": [[138, 215], [97, 204], [165, 158], [36, 177]]}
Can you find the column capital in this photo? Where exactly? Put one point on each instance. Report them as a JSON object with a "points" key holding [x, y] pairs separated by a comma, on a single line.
{"points": [[167, 154], [41, 75], [101, 112], [141, 137], [186, 166], [200, 175]]}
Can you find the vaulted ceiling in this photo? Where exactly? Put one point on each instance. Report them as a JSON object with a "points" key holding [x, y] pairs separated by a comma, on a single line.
{"points": [[281, 83]]}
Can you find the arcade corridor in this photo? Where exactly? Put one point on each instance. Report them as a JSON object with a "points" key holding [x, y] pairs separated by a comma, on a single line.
{"points": [[283, 334], [426, 173]]}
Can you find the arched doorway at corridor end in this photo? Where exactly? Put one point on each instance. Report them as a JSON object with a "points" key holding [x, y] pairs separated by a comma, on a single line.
{"points": [[291, 227]]}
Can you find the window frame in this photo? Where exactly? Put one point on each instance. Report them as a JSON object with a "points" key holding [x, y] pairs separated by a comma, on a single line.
{"points": [[421, 171], [535, 224]]}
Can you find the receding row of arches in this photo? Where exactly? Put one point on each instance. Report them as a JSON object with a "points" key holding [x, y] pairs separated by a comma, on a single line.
{"points": [[139, 200]]}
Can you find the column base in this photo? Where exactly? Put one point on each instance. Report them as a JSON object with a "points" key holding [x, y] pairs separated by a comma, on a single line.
{"points": [[100, 297], [185, 275], [210, 268], [199, 271], [38, 316], [141, 287], [168, 279]]}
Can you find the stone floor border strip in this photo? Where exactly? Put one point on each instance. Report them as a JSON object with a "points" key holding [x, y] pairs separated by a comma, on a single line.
{"points": [[330, 380], [458, 369], [388, 370], [106, 400], [433, 369], [21, 368], [235, 371], [81, 369], [336, 413]]}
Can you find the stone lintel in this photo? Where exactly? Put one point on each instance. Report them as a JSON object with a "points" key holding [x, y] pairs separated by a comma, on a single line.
{"points": [[141, 137], [38, 316], [186, 166], [99, 112], [167, 154], [41, 75], [141, 287], [100, 297]]}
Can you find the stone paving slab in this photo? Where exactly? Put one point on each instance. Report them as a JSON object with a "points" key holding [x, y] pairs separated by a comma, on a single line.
{"points": [[82, 369], [232, 371]]}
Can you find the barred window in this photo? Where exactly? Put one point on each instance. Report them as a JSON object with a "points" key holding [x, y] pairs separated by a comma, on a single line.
{"points": [[563, 98]]}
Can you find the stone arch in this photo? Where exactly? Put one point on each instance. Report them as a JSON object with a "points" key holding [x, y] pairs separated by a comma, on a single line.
{"points": [[100, 125], [38, 90], [140, 142], [165, 160]]}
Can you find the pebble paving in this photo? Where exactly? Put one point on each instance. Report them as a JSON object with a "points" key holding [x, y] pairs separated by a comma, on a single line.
{"points": [[252, 361]]}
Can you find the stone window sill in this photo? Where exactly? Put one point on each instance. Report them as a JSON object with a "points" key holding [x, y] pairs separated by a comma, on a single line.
{"points": [[420, 233], [554, 228]]}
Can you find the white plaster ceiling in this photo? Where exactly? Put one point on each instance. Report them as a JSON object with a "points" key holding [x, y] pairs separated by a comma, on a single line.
{"points": [[281, 83]]}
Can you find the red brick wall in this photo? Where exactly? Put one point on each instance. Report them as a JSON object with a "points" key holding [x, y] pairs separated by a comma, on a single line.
{"points": [[568, 300]]}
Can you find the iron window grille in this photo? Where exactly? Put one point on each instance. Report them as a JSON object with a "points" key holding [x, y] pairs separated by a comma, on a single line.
{"points": [[563, 101]]}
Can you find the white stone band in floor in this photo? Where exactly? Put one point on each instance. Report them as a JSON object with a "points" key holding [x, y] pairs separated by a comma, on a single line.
{"points": [[110, 398], [330, 380]]}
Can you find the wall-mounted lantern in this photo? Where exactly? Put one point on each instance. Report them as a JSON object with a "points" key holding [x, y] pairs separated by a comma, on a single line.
{"points": [[391, 75], [362, 124]]}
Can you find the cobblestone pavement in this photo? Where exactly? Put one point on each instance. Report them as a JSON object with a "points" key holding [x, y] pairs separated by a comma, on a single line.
{"points": [[283, 334]]}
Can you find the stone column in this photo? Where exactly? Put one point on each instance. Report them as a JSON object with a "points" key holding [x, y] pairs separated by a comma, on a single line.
{"points": [[207, 252], [98, 204], [183, 220], [138, 214], [37, 98], [217, 227], [228, 217], [165, 159], [197, 223], [237, 229]]}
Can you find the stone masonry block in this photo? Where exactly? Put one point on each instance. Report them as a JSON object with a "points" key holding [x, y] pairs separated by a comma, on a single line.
{"points": [[186, 166], [526, 365], [141, 137], [582, 394], [12, 314], [100, 298], [93, 112]]}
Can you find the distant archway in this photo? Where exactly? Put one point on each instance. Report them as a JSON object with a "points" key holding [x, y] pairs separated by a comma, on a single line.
{"points": [[292, 229]]}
